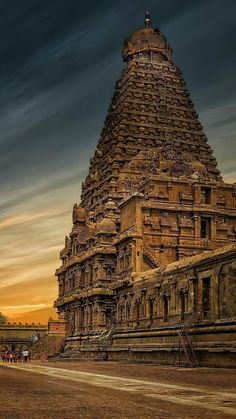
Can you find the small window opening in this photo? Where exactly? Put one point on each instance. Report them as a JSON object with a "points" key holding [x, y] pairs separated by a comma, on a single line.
{"points": [[205, 228], [151, 311], [206, 195], [206, 296], [182, 305], [165, 308]]}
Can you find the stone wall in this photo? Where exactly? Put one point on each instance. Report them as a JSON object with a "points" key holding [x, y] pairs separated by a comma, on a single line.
{"points": [[205, 283], [153, 200], [153, 305], [13, 336]]}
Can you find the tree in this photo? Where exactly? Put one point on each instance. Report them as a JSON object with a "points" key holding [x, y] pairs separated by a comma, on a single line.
{"points": [[3, 318]]}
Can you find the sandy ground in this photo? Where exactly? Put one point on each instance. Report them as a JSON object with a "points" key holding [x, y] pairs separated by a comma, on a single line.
{"points": [[111, 390]]}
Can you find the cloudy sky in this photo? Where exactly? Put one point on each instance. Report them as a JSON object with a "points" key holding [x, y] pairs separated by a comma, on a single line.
{"points": [[59, 63]]}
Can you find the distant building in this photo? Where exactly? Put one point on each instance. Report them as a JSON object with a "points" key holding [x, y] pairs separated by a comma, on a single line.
{"points": [[16, 336], [134, 268], [57, 327]]}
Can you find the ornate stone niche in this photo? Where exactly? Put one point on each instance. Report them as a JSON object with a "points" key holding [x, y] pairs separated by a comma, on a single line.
{"points": [[165, 220], [185, 222], [221, 201], [163, 195], [186, 197]]}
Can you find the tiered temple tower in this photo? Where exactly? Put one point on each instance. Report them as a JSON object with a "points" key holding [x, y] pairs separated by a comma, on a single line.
{"points": [[153, 194]]}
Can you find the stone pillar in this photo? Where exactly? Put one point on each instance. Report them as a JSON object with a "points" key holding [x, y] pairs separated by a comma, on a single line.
{"points": [[197, 226], [213, 228], [191, 296], [77, 320], [95, 315], [71, 322], [100, 315], [101, 272], [158, 301], [78, 279], [81, 318], [200, 295], [170, 192], [139, 255], [186, 301], [148, 308], [86, 316], [172, 299], [214, 196], [91, 315], [214, 297], [197, 194], [138, 215]]}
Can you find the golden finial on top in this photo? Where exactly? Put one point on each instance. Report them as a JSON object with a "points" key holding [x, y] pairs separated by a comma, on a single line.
{"points": [[147, 19]]}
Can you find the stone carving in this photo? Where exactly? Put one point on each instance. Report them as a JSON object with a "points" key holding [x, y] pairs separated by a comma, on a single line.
{"points": [[153, 151], [132, 184]]}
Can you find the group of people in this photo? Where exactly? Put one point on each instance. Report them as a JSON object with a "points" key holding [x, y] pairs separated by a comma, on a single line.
{"points": [[14, 356]]}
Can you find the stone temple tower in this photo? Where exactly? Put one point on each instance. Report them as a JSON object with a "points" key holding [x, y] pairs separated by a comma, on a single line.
{"points": [[153, 194]]}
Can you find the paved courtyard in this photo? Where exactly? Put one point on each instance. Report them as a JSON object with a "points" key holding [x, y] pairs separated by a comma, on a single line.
{"points": [[111, 390]]}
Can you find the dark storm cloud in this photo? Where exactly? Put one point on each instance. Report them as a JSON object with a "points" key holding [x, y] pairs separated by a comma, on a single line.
{"points": [[59, 63]]}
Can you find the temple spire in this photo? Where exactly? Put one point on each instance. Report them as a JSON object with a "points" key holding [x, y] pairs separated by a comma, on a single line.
{"points": [[147, 19]]}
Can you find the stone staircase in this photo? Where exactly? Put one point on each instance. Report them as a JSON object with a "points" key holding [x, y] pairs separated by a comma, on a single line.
{"points": [[92, 348], [51, 344], [151, 261]]}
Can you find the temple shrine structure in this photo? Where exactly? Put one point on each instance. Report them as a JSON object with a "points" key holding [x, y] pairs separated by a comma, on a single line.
{"points": [[148, 272]]}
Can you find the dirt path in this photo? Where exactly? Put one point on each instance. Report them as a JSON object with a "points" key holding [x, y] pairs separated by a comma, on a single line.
{"points": [[192, 397]]}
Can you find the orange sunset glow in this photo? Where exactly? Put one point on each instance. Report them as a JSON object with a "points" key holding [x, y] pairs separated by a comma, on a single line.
{"points": [[57, 75]]}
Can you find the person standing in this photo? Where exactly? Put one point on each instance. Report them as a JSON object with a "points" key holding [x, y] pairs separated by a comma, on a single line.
{"points": [[43, 356], [25, 354], [7, 356]]}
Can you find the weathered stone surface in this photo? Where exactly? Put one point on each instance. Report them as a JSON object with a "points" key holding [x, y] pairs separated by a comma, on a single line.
{"points": [[153, 197], [15, 336]]}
